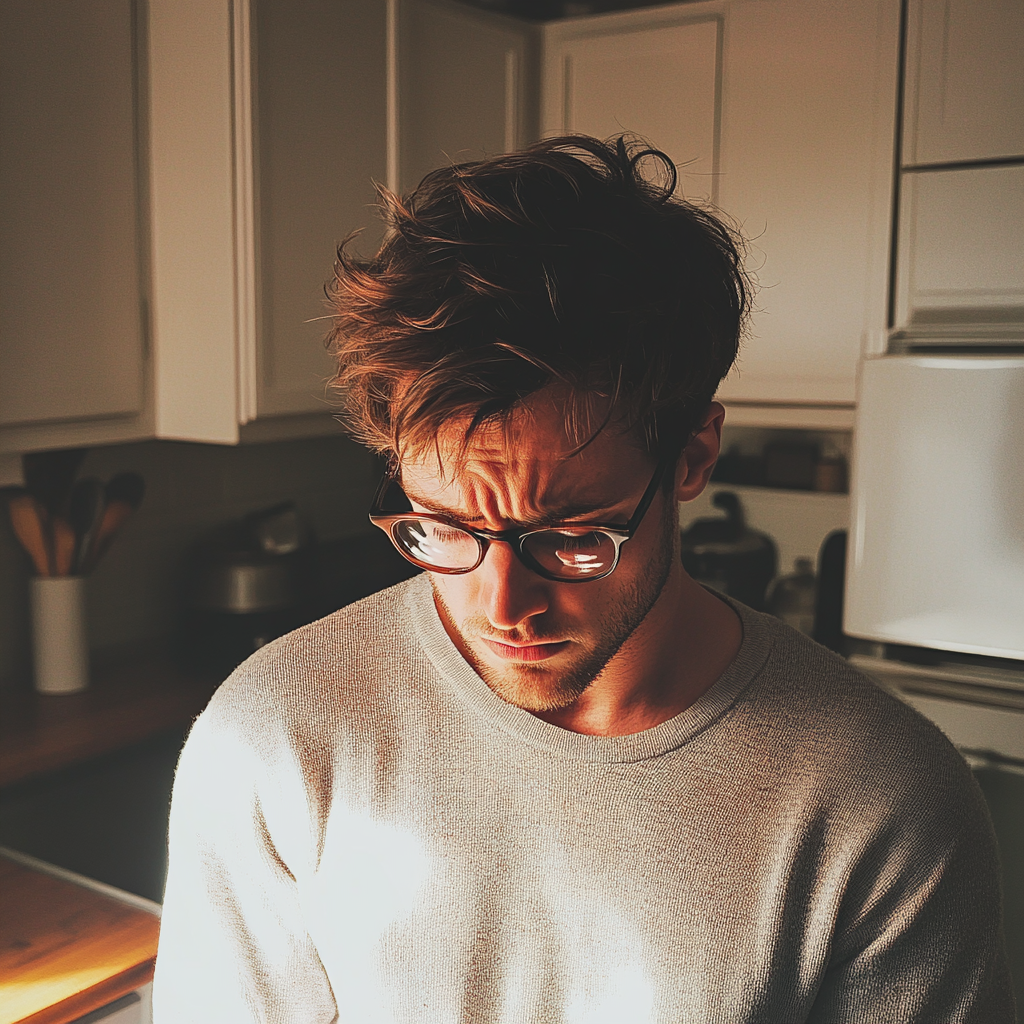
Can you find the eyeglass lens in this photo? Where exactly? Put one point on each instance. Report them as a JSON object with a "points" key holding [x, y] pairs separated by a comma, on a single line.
{"points": [[572, 555], [562, 553], [436, 544]]}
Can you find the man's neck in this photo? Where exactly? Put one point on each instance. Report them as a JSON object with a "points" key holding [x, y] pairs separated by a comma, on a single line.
{"points": [[680, 650]]}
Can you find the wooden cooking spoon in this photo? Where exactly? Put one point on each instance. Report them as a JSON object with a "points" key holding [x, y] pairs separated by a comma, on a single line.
{"points": [[27, 519]]}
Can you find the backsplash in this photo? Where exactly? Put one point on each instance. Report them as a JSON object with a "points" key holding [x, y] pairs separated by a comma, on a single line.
{"points": [[190, 488], [132, 595]]}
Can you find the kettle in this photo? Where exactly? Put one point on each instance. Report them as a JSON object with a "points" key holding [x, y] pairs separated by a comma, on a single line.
{"points": [[245, 586], [728, 555]]}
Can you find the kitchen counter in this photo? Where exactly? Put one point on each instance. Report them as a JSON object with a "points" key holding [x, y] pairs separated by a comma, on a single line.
{"points": [[68, 946], [137, 697], [125, 704]]}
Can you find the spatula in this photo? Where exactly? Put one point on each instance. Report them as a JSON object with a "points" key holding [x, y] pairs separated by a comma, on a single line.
{"points": [[26, 518], [85, 513], [123, 495]]}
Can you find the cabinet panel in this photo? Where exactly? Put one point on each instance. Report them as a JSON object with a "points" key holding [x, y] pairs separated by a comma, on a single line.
{"points": [[192, 210], [320, 129], [961, 248], [467, 86], [71, 332], [267, 128], [808, 109], [660, 83], [965, 81]]}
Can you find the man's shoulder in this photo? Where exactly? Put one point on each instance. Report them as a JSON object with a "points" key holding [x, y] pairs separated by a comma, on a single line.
{"points": [[832, 718], [335, 668]]}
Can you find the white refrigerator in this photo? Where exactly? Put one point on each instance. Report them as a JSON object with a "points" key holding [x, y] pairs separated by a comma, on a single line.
{"points": [[936, 551], [935, 561]]}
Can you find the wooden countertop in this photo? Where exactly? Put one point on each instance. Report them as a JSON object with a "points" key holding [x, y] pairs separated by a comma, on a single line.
{"points": [[66, 948], [124, 704]]}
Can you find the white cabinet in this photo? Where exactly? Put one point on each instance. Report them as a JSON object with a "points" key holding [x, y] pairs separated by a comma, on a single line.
{"points": [[964, 81], [129, 1009], [175, 177], [960, 236], [319, 113], [73, 358], [781, 112], [808, 111], [260, 126], [961, 251], [656, 75], [466, 86], [267, 130]]}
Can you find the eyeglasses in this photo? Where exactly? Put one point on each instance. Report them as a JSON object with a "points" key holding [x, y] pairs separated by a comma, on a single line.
{"points": [[563, 552]]}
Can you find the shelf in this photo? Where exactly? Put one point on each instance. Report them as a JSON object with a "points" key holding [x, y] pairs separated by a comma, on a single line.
{"points": [[124, 705], [801, 495], [798, 521], [789, 417]]}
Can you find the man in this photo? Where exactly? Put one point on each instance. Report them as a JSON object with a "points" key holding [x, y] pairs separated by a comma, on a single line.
{"points": [[553, 779]]}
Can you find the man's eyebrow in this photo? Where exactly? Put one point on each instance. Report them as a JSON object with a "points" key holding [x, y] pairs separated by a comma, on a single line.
{"points": [[558, 514]]}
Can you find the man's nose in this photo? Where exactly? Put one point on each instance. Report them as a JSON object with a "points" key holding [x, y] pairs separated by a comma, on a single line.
{"points": [[511, 592]]}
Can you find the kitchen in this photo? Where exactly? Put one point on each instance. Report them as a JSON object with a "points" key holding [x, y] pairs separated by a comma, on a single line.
{"points": [[215, 392]]}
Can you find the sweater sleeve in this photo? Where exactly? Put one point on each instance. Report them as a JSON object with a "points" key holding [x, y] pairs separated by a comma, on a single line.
{"points": [[919, 940], [233, 946]]}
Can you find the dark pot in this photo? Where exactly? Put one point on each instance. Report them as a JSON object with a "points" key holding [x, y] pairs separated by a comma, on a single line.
{"points": [[728, 556]]}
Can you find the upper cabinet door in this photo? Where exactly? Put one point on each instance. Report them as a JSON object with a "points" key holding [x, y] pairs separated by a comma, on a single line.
{"points": [[607, 76], [808, 122], [320, 146], [267, 127], [466, 86], [198, 302], [72, 348], [965, 81]]}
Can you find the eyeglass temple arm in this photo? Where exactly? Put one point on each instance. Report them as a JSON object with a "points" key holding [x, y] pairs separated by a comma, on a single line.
{"points": [[667, 460]]}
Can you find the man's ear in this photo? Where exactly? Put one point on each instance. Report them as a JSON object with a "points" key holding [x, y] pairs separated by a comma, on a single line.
{"points": [[693, 471]]}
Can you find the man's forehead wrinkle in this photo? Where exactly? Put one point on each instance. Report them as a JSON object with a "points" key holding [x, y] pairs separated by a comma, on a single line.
{"points": [[528, 468], [571, 418], [493, 485], [497, 486], [578, 415]]}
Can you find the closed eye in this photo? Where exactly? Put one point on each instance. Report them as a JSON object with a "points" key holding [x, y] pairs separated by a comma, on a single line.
{"points": [[445, 534]]}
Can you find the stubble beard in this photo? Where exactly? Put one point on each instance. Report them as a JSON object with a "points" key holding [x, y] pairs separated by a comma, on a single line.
{"points": [[536, 688]]}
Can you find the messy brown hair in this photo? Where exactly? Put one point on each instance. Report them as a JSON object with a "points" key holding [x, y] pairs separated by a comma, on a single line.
{"points": [[559, 264]]}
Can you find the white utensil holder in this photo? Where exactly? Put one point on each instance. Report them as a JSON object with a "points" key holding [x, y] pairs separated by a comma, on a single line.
{"points": [[59, 645]]}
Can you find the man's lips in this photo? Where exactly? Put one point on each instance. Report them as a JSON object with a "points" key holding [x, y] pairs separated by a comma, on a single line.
{"points": [[526, 652]]}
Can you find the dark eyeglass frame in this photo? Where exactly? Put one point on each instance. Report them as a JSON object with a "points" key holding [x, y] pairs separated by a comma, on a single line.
{"points": [[515, 538]]}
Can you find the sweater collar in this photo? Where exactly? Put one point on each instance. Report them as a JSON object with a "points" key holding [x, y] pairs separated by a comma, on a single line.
{"points": [[668, 735]]}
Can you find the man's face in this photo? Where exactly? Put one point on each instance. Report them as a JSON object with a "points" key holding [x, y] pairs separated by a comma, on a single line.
{"points": [[538, 643]]}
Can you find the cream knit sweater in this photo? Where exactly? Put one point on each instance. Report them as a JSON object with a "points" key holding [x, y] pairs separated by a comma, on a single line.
{"points": [[363, 832]]}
